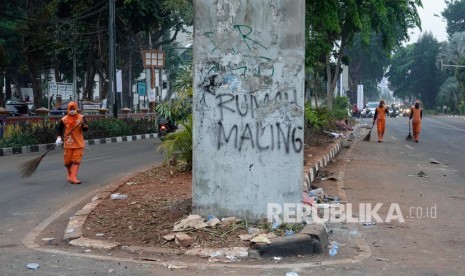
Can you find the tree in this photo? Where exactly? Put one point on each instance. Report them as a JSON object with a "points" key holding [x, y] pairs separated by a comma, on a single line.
{"points": [[453, 53], [335, 23], [367, 63], [413, 72], [455, 16]]}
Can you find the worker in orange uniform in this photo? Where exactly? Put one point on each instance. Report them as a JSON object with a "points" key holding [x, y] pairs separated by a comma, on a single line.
{"points": [[416, 114], [71, 128], [380, 119]]}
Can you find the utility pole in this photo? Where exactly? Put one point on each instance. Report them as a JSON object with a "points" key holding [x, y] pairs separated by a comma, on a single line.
{"points": [[111, 65]]}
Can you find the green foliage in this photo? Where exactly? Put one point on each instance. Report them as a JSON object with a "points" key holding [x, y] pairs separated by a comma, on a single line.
{"points": [[462, 108], [107, 128], [454, 16], [340, 107], [178, 145], [318, 119], [413, 72], [25, 134], [179, 109]]}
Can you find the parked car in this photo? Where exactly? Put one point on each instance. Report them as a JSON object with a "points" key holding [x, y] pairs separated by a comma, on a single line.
{"points": [[60, 110], [17, 107]]}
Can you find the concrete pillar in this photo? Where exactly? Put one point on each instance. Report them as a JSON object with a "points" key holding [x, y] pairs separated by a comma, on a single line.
{"points": [[248, 106]]}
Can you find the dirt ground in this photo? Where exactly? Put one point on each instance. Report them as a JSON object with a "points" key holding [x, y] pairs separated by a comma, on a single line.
{"points": [[160, 197]]}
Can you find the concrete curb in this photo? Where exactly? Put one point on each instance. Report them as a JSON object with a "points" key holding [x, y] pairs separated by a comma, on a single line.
{"points": [[90, 142], [311, 172], [315, 236]]}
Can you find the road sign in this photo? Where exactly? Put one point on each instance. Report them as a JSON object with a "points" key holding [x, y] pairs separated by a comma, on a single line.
{"points": [[63, 89], [141, 88]]}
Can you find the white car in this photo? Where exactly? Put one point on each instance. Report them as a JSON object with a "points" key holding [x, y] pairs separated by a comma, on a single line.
{"points": [[369, 110]]}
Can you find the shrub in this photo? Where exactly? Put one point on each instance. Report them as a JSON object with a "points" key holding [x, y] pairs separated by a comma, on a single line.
{"points": [[178, 145], [25, 133]]}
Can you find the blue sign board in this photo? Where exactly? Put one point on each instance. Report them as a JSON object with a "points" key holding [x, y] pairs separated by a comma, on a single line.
{"points": [[141, 88]]}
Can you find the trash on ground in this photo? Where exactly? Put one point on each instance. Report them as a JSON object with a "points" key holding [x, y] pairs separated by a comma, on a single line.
{"points": [[261, 239], [231, 258], [333, 250], [213, 222], [118, 196], [253, 230], [230, 220], [192, 221], [292, 273], [275, 225], [434, 161], [306, 199], [420, 174], [49, 240], [381, 259], [210, 217], [331, 177], [277, 258], [168, 237], [33, 266], [288, 233], [317, 192], [172, 266], [183, 239], [369, 223], [100, 234], [333, 134]]}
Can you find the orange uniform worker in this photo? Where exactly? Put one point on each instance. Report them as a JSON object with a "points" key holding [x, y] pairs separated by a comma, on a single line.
{"points": [[380, 119], [416, 114], [71, 127]]}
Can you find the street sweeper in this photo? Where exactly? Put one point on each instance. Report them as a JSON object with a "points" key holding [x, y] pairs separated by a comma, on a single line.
{"points": [[380, 118], [416, 114], [71, 128]]}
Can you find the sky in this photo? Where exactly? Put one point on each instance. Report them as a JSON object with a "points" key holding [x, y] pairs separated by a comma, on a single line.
{"points": [[429, 22]]}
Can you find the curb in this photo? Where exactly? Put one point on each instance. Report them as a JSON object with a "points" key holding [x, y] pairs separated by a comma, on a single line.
{"points": [[90, 142], [315, 236], [311, 173]]}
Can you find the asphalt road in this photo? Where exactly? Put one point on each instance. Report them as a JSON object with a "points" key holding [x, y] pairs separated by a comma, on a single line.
{"points": [[26, 202], [373, 172]]}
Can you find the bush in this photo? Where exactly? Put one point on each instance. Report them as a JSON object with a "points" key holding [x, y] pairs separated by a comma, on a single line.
{"points": [[25, 133], [178, 145], [340, 108]]}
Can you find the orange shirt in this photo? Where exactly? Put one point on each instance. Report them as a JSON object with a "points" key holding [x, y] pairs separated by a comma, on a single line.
{"points": [[416, 114], [74, 140], [381, 113]]}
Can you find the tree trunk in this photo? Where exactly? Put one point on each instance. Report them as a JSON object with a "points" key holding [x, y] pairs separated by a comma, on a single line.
{"points": [[329, 92]]}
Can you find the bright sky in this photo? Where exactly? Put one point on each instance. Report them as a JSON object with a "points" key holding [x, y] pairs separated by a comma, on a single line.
{"points": [[429, 22]]}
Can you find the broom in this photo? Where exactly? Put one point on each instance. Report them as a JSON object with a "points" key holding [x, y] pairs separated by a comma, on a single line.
{"points": [[409, 136], [27, 168], [368, 136]]}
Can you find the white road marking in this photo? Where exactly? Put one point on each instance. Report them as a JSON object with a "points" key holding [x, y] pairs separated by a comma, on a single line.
{"points": [[409, 147], [448, 126]]}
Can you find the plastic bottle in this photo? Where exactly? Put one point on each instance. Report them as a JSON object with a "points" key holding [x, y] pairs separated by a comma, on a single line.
{"points": [[333, 250]]}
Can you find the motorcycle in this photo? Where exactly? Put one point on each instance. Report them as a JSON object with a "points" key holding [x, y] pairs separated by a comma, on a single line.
{"points": [[165, 126]]}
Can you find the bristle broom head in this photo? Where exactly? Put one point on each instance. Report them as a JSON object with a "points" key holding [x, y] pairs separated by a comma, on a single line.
{"points": [[29, 167]]}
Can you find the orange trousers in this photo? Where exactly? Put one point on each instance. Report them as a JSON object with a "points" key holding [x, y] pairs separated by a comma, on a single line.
{"points": [[73, 156], [381, 127], [416, 128]]}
